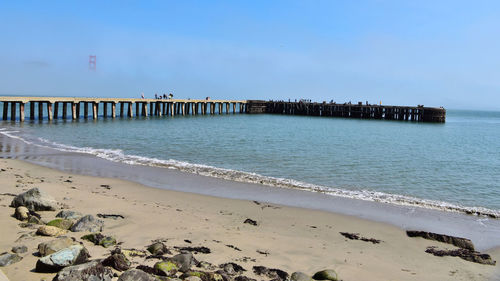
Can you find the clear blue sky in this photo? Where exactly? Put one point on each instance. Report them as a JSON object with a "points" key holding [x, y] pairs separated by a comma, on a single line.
{"points": [[436, 53]]}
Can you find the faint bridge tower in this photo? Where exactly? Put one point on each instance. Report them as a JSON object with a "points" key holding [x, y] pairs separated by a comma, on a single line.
{"points": [[92, 63]]}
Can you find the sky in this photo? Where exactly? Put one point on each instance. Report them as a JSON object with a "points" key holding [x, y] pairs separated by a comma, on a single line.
{"points": [[435, 53]]}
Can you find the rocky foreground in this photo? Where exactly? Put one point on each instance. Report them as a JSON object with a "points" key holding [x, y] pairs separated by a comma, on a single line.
{"points": [[70, 259]]}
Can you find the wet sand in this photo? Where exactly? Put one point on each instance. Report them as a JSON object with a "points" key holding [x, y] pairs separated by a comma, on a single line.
{"points": [[288, 238]]}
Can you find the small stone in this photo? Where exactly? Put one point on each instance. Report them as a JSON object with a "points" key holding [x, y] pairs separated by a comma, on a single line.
{"points": [[117, 261], [73, 255], [99, 239], [167, 268], [69, 215], [88, 223], [19, 249], [243, 278], [47, 248], [25, 236], [61, 223], [22, 213], [273, 273], [192, 278], [8, 258], [91, 271], [47, 230], [158, 248], [327, 274], [35, 200], [34, 220], [136, 275], [300, 276]]}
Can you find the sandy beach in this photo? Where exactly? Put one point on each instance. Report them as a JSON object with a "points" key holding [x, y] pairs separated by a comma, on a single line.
{"points": [[287, 238]]}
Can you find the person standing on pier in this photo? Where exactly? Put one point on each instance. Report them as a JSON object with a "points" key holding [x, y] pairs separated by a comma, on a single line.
{"points": [[142, 95]]}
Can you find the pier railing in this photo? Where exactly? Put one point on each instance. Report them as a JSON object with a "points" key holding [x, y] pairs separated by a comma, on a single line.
{"points": [[76, 108]]}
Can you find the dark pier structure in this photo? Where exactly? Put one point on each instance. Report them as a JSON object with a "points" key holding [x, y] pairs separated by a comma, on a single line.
{"points": [[348, 110]]}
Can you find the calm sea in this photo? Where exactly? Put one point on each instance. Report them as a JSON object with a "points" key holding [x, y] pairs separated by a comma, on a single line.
{"points": [[453, 166]]}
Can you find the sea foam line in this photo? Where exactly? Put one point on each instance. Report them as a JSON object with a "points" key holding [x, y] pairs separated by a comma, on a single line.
{"points": [[117, 155]]}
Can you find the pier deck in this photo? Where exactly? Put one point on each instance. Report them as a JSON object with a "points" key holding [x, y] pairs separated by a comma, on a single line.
{"points": [[76, 108]]}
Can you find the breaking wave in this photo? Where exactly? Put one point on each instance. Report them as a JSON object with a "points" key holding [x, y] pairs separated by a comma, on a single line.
{"points": [[118, 155]]}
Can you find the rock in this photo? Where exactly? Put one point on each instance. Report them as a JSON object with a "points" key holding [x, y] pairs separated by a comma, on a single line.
{"points": [[465, 254], [184, 260], [35, 200], [47, 230], [91, 271], [69, 215], [463, 243], [150, 270], [192, 278], [327, 274], [166, 268], [273, 273], [117, 261], [34, 220], [200, 274], [243, 278], [158, 248], [206, 265], [136, 275], [300, 276], [49, 247], [134, 253], [88, 223], [19, 249], [25, 236], [21, 213], [99, 239], [8, 258], [232, 268], [61, 223], [73, 255]]}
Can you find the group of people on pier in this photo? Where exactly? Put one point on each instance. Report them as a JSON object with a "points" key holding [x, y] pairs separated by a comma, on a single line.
{"points": [[159, 97]]}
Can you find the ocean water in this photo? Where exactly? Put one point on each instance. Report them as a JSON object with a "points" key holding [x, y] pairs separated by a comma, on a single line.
{"points": [[453, 166]]}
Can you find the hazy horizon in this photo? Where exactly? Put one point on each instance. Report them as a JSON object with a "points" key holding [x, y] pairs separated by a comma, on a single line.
{"points": [[394, 52]]}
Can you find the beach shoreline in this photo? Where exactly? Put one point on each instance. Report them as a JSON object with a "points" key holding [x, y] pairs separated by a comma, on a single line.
{"points": [[288, 238], [482, 230]]}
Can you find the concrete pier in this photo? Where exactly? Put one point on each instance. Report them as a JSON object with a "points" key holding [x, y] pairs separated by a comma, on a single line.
{"points": [[14, 107], [172, 107]]}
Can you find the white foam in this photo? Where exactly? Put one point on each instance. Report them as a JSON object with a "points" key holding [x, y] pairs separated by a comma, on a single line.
{"points": [[118, 155]]}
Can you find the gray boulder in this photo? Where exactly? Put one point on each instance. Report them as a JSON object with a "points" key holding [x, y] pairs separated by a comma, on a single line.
{"points": [[327, 274], [35, 200], [300, 276], [8, 258], [50, 247], [91, 271], [73, 255], [136, 275], [185, 260], [69, 215], [88, 223]]}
